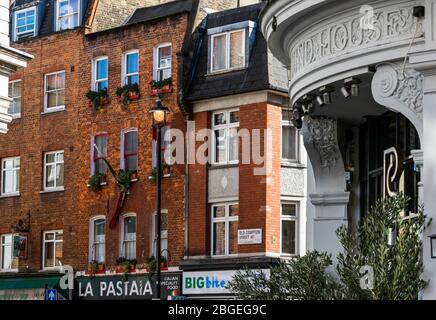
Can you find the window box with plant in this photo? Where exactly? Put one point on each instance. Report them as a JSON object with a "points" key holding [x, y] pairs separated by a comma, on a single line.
{"points": [[99, 99], [95, 267], [125, 265], [165, 169], [162, 86], [128, 92], [96, 182], [151, 262]]}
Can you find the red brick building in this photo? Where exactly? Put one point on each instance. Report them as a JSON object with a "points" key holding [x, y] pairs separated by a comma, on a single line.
{"points": [[49, 214], [239, 214]]}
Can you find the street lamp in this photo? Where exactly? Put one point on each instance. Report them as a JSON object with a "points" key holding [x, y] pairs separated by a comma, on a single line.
{"points": [[160, 115]]}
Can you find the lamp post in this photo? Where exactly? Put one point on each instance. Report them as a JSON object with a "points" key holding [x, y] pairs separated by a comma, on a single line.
{"points": [[160, 114]]}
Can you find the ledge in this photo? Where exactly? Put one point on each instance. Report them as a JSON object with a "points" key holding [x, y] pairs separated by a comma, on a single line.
{"points": [[52, 190], [5, 196], [223, 166], [254, 262]]}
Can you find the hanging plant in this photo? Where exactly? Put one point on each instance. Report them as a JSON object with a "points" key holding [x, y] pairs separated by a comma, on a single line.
{"points": [[127, 93], [125, 266], [98, 98], [165, 169], [95, 182]]}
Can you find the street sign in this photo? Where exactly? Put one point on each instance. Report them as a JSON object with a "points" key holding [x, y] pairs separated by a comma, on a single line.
{"points": [[51, 294]]}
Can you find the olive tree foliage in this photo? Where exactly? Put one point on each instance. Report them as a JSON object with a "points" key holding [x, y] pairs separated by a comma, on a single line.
{"points": [[382, 260]]}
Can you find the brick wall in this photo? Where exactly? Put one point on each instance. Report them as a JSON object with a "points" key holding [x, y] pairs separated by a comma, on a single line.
{"points": [[259, 195], [36, 133], [113, 119]]}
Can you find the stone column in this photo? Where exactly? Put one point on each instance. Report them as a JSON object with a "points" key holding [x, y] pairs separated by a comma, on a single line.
{"points": [[331, 199]]}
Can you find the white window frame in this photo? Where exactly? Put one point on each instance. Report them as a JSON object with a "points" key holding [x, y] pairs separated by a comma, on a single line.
{"points": [[12, 251], [44, 267], [288, 123], [95, 81], [295, 218], [228, 36], [57, 108], [156, 67], [16, 33], [163, 235], [91, 239], [227, 128], [55, 188], [16, 115], [58, 27], [122, 253], [227, 219], [2, 169], [124, 73]]}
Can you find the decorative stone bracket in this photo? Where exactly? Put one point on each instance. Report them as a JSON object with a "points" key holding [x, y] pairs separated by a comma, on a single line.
{"points": [[400, 91], [320, 140]]}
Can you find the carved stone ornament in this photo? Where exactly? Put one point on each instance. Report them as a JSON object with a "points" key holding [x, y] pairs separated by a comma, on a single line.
{"points": [[322, 134], [405, 86], [366, 30]]}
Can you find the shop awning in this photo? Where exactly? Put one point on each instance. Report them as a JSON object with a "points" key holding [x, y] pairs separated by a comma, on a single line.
{"points": [[9, 283]]}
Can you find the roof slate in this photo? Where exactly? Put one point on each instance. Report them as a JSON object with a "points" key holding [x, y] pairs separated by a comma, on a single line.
{"points": [[164, 10]]}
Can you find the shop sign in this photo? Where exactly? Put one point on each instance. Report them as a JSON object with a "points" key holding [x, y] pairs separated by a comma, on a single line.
{"points": [[392, 171], [209, 282], [250, 236], [135, 287]]}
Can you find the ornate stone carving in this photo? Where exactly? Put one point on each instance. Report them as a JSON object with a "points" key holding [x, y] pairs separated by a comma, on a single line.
{"points": [[322, 134], [401, 91], [366, 29], [406, 86]]}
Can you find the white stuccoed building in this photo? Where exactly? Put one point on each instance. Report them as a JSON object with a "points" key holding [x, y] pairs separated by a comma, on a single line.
{"points": [[363, 84], [10, 61]]}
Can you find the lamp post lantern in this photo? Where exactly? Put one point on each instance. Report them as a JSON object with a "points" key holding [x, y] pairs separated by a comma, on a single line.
{"points": [[160, 114]]}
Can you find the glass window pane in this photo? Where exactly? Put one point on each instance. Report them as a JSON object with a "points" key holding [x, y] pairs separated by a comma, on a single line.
{"points": [[289, 142], [50, 157], [74, 5], [132, 163], [219, 238], [50, 176], [219, 212], [50, 82], [237, 51], [233, 237], [49, 236], [288, 237], [102, 69], [132, 79], [51, 100], [60, 175], [101, 142], [99, 229], [58, 253], [234, 117], [165, 57], [233, 144], [234, 210], [49, 254], [219, 53], [289, 210], [6, 252], [220, 146], [59, 235], [219, 119], [129, 228], [132, 63], [102, 85], [131, 142]]}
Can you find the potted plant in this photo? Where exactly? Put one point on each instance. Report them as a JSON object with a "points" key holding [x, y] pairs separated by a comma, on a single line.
{"points": [[95, 182], [99, 99], [162, 86], [92, 268], [128, 93], [101, 268], [152, 264], [125, 265], [165, 170], [124, 179]]}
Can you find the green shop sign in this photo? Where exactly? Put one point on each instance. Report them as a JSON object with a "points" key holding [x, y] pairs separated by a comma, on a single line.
{"points": [[135, 287]]}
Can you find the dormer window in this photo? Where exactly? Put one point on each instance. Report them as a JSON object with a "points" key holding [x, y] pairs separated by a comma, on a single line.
{"points": [[24, 23], [227, 51], [67, 14]]}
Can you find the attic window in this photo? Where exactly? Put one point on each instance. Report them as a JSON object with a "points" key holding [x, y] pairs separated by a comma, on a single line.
{"points": [[227, 51], [67, 14], [24, 23]]}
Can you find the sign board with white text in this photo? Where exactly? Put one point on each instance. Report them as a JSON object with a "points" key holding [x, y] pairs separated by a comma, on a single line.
{"points": [[250, 236], [209, 282]]}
